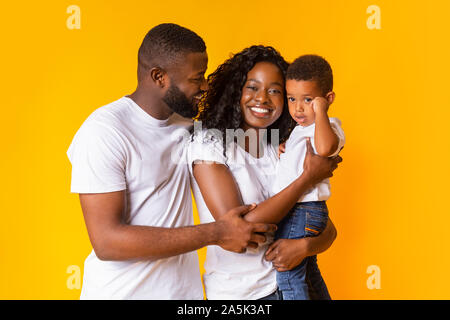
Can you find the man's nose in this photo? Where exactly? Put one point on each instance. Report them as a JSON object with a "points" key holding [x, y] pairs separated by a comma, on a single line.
{"points": [[204, 86]]}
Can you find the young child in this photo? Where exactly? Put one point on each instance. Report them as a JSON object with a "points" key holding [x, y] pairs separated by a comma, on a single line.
{"points": [[309, 89]]}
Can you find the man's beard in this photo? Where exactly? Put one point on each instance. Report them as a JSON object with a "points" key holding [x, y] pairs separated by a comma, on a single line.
{"points": [[179, 103]]}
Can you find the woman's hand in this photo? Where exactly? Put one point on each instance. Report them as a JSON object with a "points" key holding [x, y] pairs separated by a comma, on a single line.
{"points": [[317, 168], [281, 149], [286, 254]]}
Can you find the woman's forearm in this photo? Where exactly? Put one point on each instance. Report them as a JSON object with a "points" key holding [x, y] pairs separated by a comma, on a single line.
{"points": [[286, 254], [316, 169], [221, 197], [323, 241], [274, 209]]}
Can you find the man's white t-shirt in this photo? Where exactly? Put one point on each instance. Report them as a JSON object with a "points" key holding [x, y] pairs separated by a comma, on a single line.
{"points": [[229, 275], [290, 166], [121, 147]]}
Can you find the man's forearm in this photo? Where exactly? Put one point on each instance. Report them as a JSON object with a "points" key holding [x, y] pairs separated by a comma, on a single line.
{"points": [[126, 242]]}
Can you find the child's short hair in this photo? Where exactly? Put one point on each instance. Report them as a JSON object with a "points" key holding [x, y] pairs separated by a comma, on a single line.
{"points": [[312, 67]]}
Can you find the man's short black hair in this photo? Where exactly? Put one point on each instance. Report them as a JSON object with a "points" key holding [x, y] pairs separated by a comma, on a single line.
{"points": [[164, 43], [312, 67]]}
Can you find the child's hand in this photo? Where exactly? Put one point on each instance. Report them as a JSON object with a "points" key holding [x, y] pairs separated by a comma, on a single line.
{"points": [[320, 104]]}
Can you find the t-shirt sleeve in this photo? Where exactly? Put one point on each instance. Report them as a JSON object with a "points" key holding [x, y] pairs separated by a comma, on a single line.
{"points": [[203, 147], [98, 160], [336, 125]]}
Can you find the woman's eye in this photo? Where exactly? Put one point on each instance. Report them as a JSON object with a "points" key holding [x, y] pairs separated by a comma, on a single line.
{"points": [[251, 88], [274, 91]]}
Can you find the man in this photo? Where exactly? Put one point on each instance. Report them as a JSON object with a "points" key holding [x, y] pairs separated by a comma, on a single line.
{"points": [[136, 201]]}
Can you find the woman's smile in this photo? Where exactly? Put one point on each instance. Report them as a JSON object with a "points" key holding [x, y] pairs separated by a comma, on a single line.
{"points": [[261, 111]]}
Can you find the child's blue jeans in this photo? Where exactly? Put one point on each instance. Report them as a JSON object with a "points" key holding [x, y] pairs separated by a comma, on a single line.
{"points": [[304, 282]]}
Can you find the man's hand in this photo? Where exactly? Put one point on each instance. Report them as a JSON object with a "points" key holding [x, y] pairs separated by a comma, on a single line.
{"points": [[235, 234], [318, 168], [286, 254]]}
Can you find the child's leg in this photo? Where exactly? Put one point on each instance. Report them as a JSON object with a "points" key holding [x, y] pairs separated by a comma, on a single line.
{"points": [[316, 218], [317, 288], [292, 283]]}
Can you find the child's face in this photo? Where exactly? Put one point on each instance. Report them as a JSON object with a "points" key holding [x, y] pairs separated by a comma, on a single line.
{"points": [[300, 94]]}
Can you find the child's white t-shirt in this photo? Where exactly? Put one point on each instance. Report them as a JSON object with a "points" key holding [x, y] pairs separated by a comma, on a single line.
{"points": [[290, 166]]}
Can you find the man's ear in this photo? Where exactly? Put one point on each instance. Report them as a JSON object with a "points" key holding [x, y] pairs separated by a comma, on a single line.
{"points": [[330, 96], [158, 76]]}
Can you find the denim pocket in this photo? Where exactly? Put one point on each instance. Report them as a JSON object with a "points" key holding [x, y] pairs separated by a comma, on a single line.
{"points": [[315, 221]]}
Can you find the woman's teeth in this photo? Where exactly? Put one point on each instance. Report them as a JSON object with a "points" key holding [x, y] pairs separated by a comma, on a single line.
{"points": [[260, 110]]}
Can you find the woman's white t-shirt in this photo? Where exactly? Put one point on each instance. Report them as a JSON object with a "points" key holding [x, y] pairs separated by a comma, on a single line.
{"points": [[228, 275]]}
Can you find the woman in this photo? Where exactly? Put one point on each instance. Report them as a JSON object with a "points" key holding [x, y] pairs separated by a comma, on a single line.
{"points": [[246, 93]]}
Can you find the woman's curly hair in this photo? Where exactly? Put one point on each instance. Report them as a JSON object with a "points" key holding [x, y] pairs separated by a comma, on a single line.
{"points": [[221, 106]]}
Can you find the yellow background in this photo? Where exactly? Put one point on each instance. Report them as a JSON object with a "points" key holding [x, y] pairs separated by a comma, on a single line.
{"points": [[389, 195]]}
